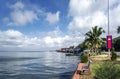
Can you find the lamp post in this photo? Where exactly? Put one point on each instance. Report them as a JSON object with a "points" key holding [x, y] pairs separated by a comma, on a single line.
{"points": [[108, 19], [109, 37]]}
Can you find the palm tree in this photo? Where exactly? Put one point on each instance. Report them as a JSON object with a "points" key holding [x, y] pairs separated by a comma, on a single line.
{"points": [[118, 29], [93, 37]]}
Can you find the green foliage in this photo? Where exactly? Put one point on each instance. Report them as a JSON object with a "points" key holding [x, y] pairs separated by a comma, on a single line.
{"points": [[84, 58], [118, 29], [92, 53], [116, 43], [107, 70], [82, 46], [99, 52], [93, 39], [114, 55], [103, 46]]}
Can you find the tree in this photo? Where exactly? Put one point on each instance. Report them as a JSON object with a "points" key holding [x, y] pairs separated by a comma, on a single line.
{"points": [[93, 38], [118, 29], [116, 43]]}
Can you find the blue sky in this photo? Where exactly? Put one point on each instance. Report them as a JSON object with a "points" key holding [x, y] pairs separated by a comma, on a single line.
{"points": [[52, 24], [38, 24]]}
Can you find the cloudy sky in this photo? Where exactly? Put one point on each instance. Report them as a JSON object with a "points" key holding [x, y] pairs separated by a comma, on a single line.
{"points": [[52, 24]]}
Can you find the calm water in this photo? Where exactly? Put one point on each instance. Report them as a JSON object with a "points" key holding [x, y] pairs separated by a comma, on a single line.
{"points": [[37, 65]]}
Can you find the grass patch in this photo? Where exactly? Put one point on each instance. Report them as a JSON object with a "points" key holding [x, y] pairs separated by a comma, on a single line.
{"points": [[118, 58]]}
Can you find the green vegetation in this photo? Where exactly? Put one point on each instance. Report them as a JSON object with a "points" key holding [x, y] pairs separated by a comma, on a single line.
{"points": [[84, 58], [93, 40], [106, 70], [118, 29], [116, 43], [82, 46], [114, 55], [101, 67]]}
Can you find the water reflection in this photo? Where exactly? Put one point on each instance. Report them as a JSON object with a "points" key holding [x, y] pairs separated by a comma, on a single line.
{"points": [[36, 65]]}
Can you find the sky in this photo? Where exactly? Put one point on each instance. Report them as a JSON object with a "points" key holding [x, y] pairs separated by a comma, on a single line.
{"points": [[38, 25]]}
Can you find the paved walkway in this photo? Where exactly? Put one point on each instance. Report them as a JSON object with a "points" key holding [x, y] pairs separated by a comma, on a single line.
{"points": [[76, 74], [118, 53]]}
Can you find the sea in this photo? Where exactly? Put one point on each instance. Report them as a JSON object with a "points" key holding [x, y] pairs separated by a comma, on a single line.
{"points": [[37, 65]]}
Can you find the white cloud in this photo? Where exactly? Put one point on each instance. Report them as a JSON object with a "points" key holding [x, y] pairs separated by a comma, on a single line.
{"points": [[48, 40], [13, 33], [53, 18], [86, 14], [55, 33], [11, 38], [15, 40], [115, 16], [87, 7], [97, 18], [89, 13], [78, 7], [20, 16], [17, 5]]}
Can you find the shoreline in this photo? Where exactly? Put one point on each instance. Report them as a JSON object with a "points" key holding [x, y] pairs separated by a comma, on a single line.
{"points": [[76, 75]]}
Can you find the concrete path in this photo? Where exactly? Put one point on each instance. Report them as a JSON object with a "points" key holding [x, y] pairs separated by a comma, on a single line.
{"points": [[76, 74], [118, 53]]}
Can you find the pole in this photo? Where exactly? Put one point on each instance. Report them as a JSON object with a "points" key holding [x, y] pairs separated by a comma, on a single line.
{"points": [[108, 19], [108, 26]]}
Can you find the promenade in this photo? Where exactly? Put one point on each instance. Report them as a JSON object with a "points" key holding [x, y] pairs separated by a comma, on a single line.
{"points": [[118, 53], [76, 74], [79, 67]]}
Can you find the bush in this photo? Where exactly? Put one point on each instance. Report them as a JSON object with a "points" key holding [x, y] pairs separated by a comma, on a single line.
{"points": [[92, 53], [107, 70], [99, 52], [84, 58], [114, 55]]}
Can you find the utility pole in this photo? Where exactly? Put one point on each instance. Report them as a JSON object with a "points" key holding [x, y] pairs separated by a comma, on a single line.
{"points": [[108, 20], [108, 29]]}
